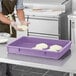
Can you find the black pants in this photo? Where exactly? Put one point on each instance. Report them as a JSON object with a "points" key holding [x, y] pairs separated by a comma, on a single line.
{"points": [[6, 28], [5, 69]]}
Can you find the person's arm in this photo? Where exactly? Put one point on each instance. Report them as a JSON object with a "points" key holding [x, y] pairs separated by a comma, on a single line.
{"points": [[20, 14], [9, 22], [4, 19]]}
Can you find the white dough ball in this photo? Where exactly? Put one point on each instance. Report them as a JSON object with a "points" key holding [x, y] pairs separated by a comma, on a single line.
{"points": [[37, 48], [42, 45], [55, 48], [23, 27]]}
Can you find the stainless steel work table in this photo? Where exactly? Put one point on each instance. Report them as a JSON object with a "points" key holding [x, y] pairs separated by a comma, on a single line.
{"points": [[68, 64]]}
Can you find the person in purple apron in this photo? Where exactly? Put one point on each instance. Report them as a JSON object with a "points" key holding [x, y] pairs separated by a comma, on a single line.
{"points": [[6, 9]]}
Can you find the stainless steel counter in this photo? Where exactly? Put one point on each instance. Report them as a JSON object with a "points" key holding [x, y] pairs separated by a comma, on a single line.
{"points": [[68, 64]]}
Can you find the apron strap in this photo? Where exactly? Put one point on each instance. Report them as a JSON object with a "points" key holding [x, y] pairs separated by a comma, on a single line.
{"points": [[9, 16]]}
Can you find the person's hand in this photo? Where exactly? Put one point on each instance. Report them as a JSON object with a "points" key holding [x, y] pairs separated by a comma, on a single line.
{"points": [[15, 26], [24, 23]]}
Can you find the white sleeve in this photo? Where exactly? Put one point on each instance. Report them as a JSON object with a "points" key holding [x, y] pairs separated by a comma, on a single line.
{"points": [[0, 6]]}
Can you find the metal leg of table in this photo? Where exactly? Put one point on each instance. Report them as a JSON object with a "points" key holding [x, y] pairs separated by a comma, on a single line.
{"points": [[8, 73], [69, 29], [71, 74]]}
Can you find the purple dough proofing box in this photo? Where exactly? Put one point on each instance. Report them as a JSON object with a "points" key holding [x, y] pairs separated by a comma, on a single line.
{"points": [[24, 45]]}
